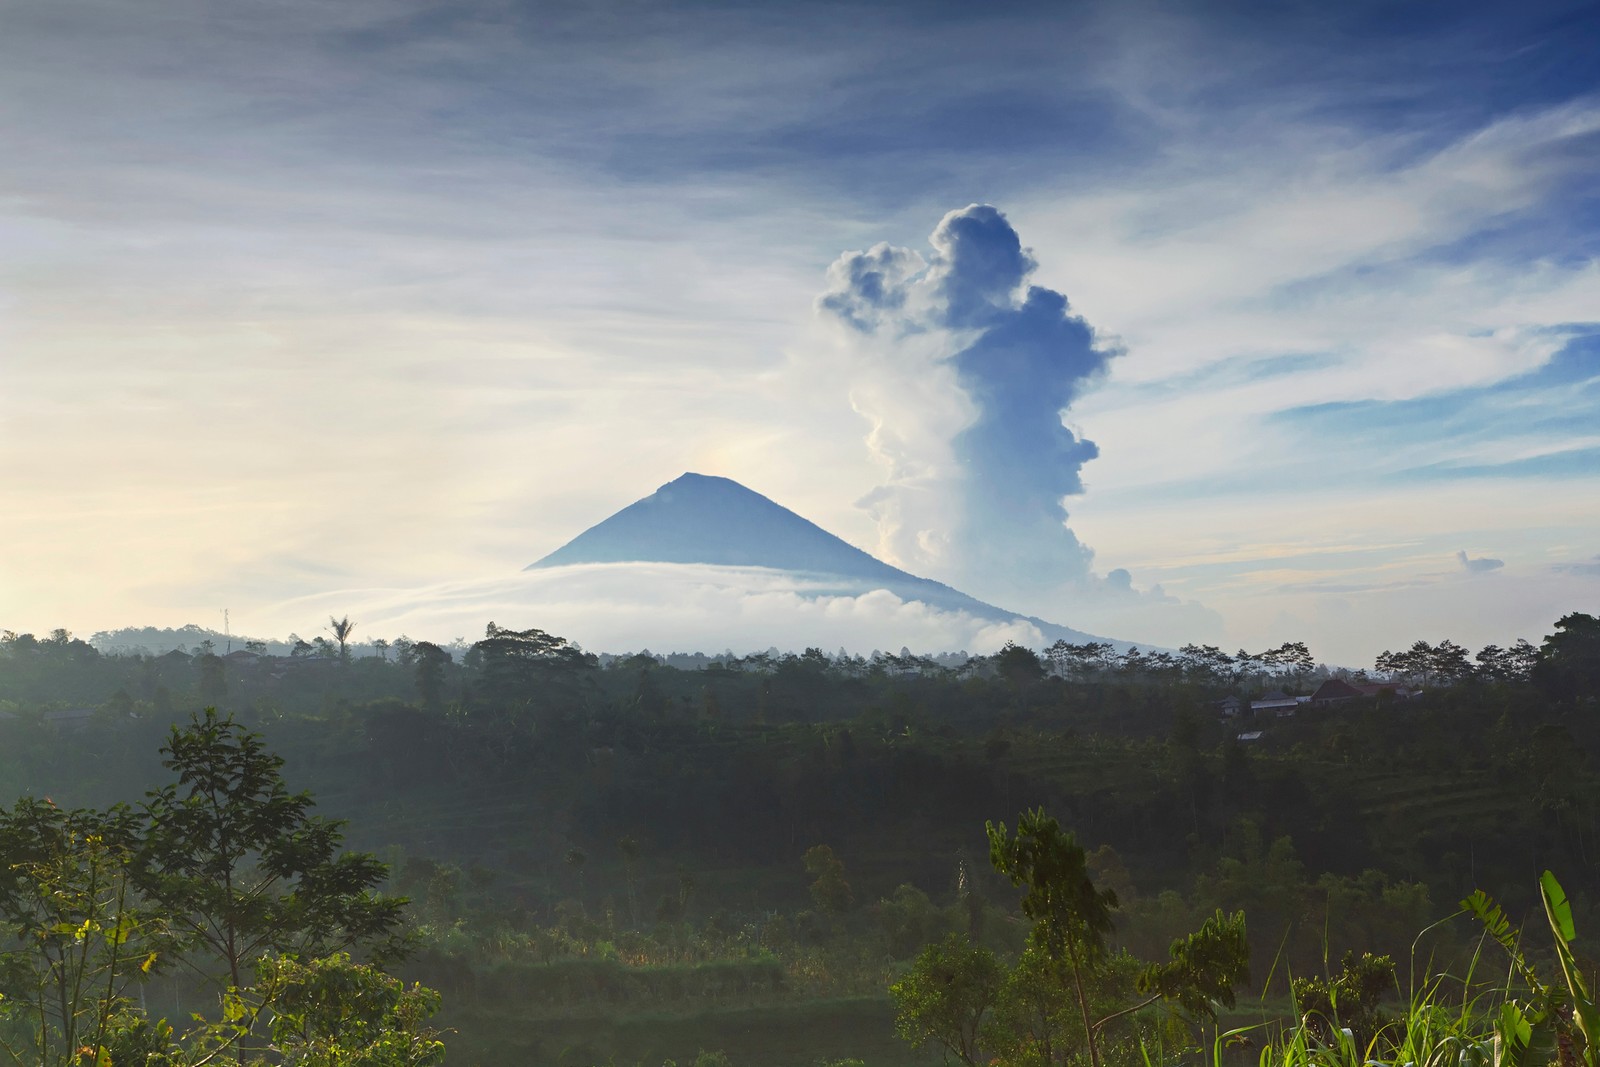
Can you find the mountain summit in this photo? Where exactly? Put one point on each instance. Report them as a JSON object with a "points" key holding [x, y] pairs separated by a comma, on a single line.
{"points": [[702, 520]]}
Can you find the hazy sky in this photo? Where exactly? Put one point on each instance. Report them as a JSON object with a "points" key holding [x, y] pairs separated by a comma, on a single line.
{"points": [[301, 297]]}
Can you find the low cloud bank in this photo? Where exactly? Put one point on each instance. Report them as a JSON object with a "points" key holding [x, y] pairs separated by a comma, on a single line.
{"points": [[621, 607]]}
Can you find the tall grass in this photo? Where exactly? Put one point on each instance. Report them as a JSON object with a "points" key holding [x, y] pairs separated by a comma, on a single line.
{"points": [[1446, 1020], [1433, 1031]]}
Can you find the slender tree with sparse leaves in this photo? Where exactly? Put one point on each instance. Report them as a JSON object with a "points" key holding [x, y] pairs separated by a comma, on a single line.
{"points": [[242, 866]]}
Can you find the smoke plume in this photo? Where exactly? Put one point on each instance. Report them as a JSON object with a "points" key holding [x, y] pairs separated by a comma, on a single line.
{"points": [[965, 372]]}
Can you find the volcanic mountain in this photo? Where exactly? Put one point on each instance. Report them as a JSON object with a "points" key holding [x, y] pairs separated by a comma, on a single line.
{"points": [[707, 521]]}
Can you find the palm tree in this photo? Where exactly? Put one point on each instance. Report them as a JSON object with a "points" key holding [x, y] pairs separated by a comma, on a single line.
{"points": [[341, 629]]}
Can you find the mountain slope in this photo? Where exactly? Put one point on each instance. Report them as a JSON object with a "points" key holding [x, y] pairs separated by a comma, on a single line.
{"points": [[702, 519], [699, 519]]}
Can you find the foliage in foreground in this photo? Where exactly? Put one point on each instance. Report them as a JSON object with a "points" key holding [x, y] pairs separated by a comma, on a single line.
{"points": [[224, 873], [1527, 1021], [1060, 999], [1056, 1004]]}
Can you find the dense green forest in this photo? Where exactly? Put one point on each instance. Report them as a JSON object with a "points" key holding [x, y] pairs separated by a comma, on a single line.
{"points": [[632, 859]]}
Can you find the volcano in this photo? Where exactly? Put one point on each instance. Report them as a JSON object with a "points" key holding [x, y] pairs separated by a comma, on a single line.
{"points": [[703, 564], [702, 519], [705, 521]]}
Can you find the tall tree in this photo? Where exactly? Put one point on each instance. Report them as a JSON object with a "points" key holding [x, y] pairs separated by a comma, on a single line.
{"points": [[1018, 665], [241, 865], [1448, 662], [1205, 664], [430, 661], [1293, 658], [1568, 667], [1514, 664], [1093, 658], [516, 663], [1071, 917]]}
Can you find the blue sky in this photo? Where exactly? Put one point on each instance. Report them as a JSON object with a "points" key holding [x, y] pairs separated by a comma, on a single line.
{"points": [[300, 297]]}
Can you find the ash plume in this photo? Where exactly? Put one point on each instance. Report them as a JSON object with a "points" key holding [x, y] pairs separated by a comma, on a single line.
{"points": [[965, 371]]}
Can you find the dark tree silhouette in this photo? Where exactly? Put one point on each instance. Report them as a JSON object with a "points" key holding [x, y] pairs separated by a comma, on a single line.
{"points": [[341, 629]]}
